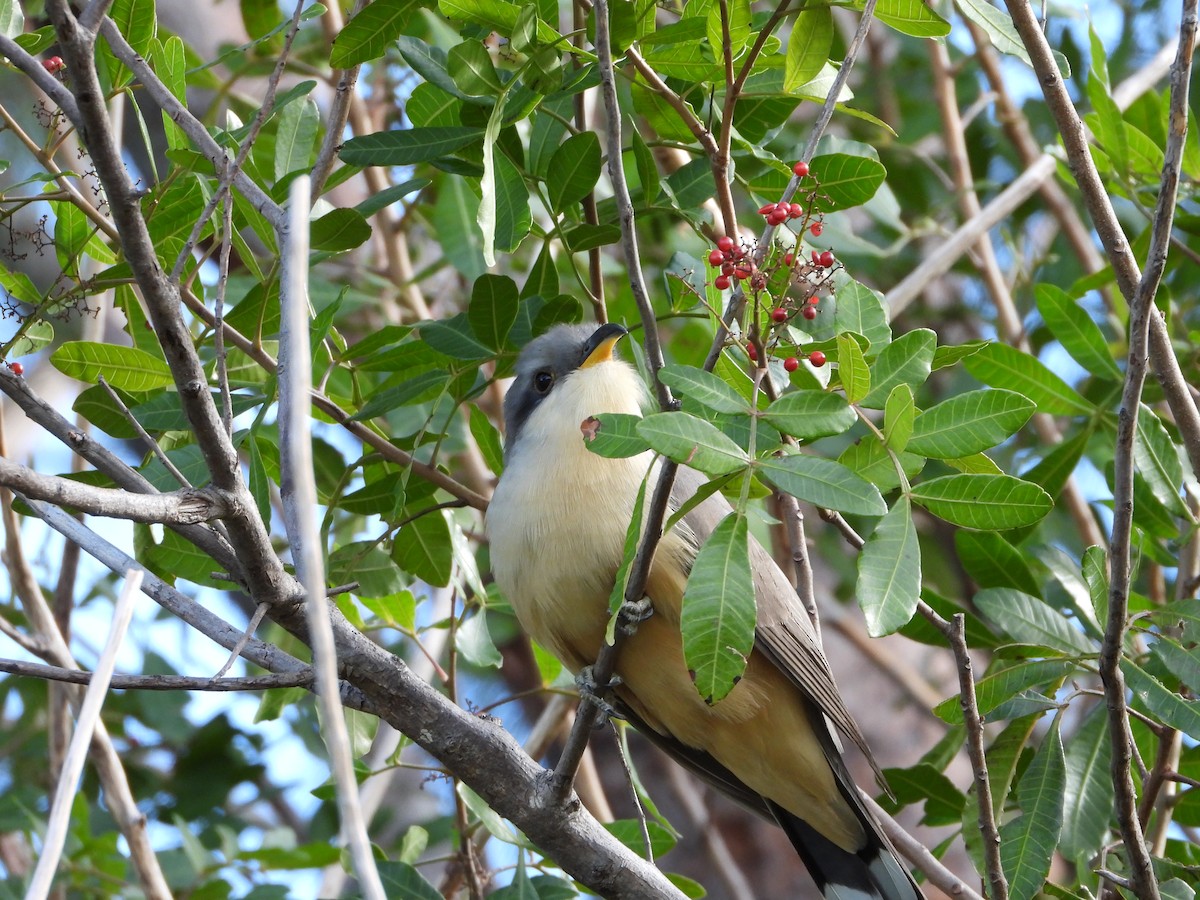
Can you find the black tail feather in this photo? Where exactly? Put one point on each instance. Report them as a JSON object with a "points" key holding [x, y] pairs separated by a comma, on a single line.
{"points": [[873, 873]]}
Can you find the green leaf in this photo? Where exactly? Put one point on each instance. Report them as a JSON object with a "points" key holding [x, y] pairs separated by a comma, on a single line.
{"points": [[1002, 366], [852, 368], [969, 423], [808, 47], [454, 225], [870, 459], [889, 571], [137, 20], [12, 20], [861, 310], [924, 783], [1089, 788], [692, 442], [646, 166], [1075, 330], [474, 641], [911, 17], [991, 561], [737, 28], [575, 169], [339, 230], [423, 548], [366, 563], [495, 15], [1095, 576], [1168, 706], [493, 309], [369, 33], [718, 616], [419, 388], [907, 360], [614, 436], [898, 418], [124, 368], [401, 880], [1028, 620], [296, 137], [1157, 460], [455, 338], [707, 389], [1183, 664], [847, 180], [470, 65], [1003, 685], [810, 414], [1028, 842], [408, 147], [823, 483], [986, 502]]}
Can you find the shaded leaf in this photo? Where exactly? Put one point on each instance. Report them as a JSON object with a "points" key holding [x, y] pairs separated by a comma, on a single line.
{"points": [[889, 571]]}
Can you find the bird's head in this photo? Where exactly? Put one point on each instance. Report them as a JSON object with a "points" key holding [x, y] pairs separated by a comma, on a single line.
{"points": [[550, 370]]}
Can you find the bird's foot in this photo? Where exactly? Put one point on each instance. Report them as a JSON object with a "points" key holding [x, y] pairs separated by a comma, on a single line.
{"points": [[633, 614], [594, 693]]}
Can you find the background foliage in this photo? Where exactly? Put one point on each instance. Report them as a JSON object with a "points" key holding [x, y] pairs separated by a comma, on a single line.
{"points": [[953, 409]]}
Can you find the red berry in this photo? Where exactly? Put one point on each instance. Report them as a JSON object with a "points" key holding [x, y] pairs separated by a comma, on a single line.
{"points": [[725, 243], [766, 210], [795, 211], [814, 300], [791, 364], [779, 314], [758, 281], [738, 252], [816, 229], [743, 272], [715, 258], [727, 268], [751, 352], [817, 358], [816, 257], [54, 64], [777, 217], [826, 260], [809, 312], [721, 282], [17, 368], [789, 258], [801, 169]]}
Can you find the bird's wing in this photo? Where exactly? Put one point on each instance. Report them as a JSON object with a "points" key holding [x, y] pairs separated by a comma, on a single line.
{"points": [[784, 634]]}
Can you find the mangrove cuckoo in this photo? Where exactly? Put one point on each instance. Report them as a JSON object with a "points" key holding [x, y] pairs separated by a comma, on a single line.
{"points": [[557, 527]]}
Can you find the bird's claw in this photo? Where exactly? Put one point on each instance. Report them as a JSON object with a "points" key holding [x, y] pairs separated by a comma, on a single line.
{"points": [[591, 692], [634, 613]]}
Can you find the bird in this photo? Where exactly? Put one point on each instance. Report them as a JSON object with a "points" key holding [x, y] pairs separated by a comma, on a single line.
{"points": [[556, 526]]}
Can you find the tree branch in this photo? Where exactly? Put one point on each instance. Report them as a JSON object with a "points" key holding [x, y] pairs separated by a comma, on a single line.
{"points": [[183, 507], [299, 678]]}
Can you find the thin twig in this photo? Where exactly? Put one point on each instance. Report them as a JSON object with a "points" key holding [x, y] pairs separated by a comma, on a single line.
{"points": [[339, 108], [236, 650], [151, 443], [299, 678], [956, 634], [59, 820]]}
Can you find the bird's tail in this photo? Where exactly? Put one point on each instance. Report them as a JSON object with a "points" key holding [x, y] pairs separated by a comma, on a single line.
{"points": [[872, 873]]}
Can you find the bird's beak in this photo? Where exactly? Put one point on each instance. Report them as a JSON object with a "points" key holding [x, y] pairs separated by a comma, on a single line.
{"points": [[599, 347]]}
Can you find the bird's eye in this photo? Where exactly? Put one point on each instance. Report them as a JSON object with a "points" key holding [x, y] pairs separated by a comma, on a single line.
{"points": [[543, 381]]}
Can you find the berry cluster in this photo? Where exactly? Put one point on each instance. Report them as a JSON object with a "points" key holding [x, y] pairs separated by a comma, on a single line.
{"points": [[733, 261], [54, 64], [777, 271]]}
